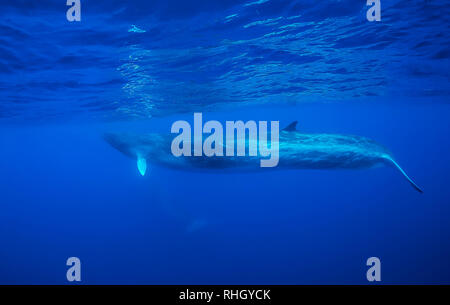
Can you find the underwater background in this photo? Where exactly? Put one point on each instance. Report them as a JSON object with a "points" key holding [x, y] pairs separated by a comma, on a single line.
{"points": [[138, 66]]}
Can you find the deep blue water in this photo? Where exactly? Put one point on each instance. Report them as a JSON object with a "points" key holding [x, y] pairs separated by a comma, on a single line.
{"points": [[138, 66]]}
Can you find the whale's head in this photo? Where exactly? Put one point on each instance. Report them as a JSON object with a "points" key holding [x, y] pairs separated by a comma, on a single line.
{"points": [[138, 145]]}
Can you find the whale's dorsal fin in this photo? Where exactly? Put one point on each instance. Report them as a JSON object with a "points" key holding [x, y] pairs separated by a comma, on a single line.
{"points": [[291, 127]]}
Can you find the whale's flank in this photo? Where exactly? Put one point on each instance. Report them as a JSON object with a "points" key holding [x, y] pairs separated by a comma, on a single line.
{"points": [[296, 151]]}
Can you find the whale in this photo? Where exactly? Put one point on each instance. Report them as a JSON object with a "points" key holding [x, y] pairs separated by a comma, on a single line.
{"points": [[297, 150]]}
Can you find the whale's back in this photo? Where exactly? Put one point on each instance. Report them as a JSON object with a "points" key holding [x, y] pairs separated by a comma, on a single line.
{"points": [[329, 151]]}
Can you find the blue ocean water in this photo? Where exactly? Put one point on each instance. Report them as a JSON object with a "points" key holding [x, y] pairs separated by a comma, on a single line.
{"points": [[138, 66]]}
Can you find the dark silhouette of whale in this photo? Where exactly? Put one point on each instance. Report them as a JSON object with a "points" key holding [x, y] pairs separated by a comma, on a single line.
{"points": [[297, 150]]}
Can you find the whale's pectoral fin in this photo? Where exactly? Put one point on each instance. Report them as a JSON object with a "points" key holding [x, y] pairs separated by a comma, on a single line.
{"points": [[291, 127], [141, 165], [417, 188]]}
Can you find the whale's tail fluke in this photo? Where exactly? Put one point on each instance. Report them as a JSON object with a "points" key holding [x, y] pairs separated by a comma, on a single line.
{"points": [[414, 185]]}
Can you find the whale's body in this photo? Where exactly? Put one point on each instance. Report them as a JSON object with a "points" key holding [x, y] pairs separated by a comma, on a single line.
{"points": [[297, 150]]}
